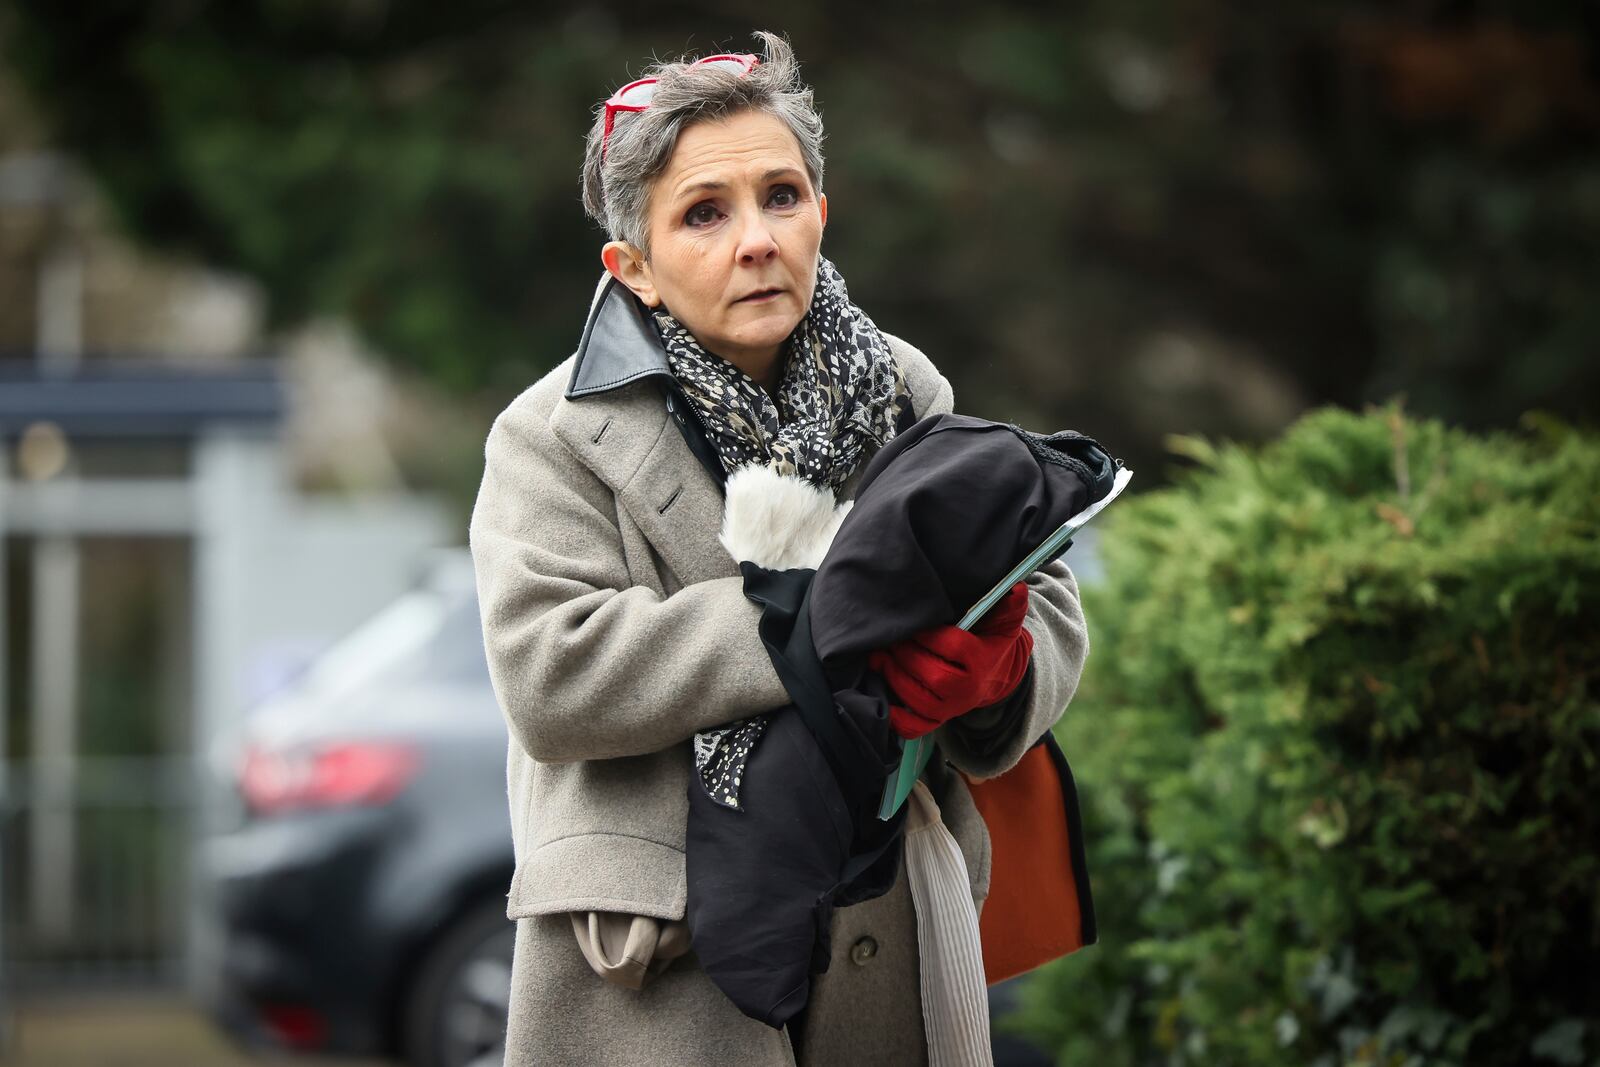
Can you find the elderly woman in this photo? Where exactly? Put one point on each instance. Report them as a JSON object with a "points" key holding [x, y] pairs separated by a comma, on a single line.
{"points": [[615, 622]]}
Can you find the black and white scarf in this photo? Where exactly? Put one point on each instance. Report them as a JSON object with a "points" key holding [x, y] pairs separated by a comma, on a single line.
{"points": [[840, 390]]}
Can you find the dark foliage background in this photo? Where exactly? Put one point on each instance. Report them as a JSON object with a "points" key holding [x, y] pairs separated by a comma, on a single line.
{"points": [[1131, 217]]}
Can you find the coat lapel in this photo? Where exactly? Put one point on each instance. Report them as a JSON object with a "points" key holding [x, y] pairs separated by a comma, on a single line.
{"points": [[614, 419], [626, 438]]}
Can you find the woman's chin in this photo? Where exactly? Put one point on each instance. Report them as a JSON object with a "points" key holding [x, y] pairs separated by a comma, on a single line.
{"points": [[765, 330]]}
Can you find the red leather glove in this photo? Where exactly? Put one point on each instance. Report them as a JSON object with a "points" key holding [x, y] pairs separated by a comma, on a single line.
{"points": [[945, 671]]}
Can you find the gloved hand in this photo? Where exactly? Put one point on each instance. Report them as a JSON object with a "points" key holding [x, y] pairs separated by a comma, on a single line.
{"points": [[945, 671]]}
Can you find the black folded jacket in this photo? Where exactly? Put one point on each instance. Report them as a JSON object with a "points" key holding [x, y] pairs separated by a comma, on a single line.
{"points": [[943, 511]]}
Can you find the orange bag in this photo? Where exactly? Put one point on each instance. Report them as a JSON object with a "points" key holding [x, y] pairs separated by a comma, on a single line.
{"points": [[1039, 906]]}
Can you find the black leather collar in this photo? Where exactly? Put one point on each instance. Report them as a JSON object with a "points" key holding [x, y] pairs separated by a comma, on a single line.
{"points": [[619, 345]]}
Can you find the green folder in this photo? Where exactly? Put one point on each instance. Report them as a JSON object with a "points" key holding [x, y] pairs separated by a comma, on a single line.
{"points": [[914, 754]]}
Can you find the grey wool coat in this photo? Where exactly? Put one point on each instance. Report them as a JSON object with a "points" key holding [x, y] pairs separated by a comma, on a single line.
{"points": [[616, 628]]}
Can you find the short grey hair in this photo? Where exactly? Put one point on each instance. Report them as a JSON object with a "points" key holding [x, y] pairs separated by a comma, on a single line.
{"points": [[616, 194]]}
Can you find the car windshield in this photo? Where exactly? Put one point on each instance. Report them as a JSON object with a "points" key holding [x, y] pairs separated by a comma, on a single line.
{"points": [[422, 636], [454, 653]]}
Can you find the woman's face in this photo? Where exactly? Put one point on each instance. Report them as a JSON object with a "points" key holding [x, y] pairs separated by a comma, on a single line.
{"points": [[734, 231]]}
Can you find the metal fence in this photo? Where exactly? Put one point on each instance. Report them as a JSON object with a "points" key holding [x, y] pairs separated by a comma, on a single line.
{"points": [[95, 872]]}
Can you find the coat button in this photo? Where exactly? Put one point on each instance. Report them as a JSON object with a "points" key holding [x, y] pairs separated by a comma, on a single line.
{"points": [[863, 950]]}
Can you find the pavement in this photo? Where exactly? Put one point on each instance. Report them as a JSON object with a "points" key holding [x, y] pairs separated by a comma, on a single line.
{"points": [[154, 1030], [130, 1030]]}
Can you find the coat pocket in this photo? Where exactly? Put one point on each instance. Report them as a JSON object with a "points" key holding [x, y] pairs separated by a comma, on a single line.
{"points": [[600, 872], [603, 835]]}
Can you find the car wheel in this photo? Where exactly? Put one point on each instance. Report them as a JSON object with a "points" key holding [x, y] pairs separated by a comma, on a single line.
{"points": [[456, 1010]]}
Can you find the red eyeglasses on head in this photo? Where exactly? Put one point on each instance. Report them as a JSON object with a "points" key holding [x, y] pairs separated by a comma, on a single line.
{"points": [[636, 96]]}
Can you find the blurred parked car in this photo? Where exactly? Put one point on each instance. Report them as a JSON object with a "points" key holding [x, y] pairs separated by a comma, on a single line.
{"points": [[357, 902]]}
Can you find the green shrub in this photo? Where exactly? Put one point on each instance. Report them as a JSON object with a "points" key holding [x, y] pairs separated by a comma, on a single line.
{"points": [[1337, 742]]}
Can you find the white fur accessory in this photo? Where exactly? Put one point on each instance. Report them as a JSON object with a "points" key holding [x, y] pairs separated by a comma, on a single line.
{"points": [[778, 521]]}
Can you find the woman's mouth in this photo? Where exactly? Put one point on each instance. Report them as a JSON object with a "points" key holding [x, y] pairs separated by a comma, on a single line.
{"points": [[758, 297]]}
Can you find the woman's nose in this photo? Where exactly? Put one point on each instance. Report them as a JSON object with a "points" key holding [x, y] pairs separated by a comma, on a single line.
{"points": [[756, 243]]}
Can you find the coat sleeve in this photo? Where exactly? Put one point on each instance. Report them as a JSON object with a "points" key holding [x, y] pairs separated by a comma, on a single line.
{"points": [[586, 664], [989, 741]]}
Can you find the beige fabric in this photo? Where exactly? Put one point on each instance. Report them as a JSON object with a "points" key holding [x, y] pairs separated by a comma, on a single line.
{"points": [[623, 949], [561, 1015], [616, 627], [955, 993]]}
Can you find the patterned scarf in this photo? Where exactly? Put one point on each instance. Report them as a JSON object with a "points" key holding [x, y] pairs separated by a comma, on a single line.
{"points": [[840, 389]]}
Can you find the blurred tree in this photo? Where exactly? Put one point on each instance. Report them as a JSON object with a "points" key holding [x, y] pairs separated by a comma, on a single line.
{"points": [[1200, 216]]}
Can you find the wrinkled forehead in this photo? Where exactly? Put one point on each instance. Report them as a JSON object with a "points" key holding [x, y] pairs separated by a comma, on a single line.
{"points": [[751, 148]]}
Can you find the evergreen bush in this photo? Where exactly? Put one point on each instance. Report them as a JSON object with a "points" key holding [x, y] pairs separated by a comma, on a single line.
{"points": [[1337, 741]]}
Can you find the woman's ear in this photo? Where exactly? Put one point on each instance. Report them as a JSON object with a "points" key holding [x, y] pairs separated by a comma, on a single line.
{"points": [[627, 264], [822, 206]]}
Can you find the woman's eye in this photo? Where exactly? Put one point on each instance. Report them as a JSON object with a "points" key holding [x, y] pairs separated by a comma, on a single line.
{"points": [[784, 196], [702, 214]]}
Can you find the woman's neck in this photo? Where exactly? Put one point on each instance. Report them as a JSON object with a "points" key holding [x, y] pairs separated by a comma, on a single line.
{"points": [[764, 368]]}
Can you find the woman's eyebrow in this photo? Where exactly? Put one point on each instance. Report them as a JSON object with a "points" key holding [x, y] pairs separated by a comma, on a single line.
{"points": [[701, 187], [711, 186]]}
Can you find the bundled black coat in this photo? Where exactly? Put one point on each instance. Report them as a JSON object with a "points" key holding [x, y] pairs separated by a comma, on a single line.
{"points": [[943, 512]]}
